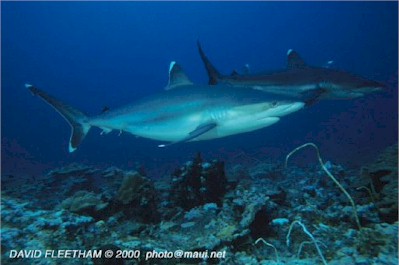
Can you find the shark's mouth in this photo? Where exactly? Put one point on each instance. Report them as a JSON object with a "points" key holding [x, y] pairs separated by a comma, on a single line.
{"points": [[286, 109]]}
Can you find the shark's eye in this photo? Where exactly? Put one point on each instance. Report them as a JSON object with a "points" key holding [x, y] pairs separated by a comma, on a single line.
{"points": [[274, 103]]}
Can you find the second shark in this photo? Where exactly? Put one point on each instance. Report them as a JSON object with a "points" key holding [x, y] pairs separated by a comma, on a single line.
{"points": [[299, 79]]}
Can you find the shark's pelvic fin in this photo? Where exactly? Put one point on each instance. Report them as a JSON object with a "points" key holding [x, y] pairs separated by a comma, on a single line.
{"points": [[213, 74], [200, 130], [329, 64], [294, 60], [177, 77], [75, 118]]}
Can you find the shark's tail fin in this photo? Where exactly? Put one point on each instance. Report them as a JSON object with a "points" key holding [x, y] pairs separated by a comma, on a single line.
{"points": [[213, 74], [75, 118]]}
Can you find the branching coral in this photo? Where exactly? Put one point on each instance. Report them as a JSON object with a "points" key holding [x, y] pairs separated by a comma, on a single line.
{"points": [[270, 245], [331, 176], [311, 237]]}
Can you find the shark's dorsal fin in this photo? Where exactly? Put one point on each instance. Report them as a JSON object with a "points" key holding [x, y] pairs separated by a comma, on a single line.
{"points": [[177, 77], [234, 73], [105, 109], [294, 60], [246, 70]]}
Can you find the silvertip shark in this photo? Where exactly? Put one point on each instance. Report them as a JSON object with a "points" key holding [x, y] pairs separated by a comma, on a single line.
{"points": [[298, 80], [181, 113]]}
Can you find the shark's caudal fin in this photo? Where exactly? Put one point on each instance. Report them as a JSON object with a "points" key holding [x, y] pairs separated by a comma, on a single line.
{"points": [[213, 74], [74, 117], [177, 77]]}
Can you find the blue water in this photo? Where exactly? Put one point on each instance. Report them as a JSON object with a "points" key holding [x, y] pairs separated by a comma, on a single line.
{"points": [[92, 55]]}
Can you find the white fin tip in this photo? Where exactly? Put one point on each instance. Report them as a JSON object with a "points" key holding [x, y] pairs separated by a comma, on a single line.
{"points": [[172, 63], [289, 51], [71, 149]]}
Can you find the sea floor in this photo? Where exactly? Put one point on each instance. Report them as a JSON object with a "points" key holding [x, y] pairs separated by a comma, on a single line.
{"points": [[204, 213]]}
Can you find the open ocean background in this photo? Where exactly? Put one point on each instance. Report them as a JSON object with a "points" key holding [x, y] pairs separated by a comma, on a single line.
{"points": [[92, 55]]}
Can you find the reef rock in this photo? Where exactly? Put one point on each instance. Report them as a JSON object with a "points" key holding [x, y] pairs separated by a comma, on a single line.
{"points": [[382, 176], [198, 183], [137, 198], [84, 202]]}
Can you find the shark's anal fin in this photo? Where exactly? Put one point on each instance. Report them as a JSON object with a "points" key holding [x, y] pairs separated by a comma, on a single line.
{"points": [[74, 117], [294, 60], [105, 130], [200, 130], [177, 77]]}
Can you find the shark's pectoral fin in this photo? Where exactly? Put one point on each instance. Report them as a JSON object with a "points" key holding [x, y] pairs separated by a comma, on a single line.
{"points": [[200, 130], [177, 77], [311, 97]]}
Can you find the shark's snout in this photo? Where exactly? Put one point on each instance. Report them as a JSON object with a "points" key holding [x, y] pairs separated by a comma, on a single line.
{"points": [[380, 87], [371, 86], [287, 108]]}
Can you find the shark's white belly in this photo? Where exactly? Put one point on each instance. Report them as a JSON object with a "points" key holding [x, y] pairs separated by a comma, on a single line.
{"points": [[162, 132], [285, 90], [172, 129]]}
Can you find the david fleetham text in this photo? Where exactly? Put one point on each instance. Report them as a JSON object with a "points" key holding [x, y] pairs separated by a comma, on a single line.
{"points": [[54, 254]]}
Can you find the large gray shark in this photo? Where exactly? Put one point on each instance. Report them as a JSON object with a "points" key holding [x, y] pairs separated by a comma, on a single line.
{"points": [[185, 112], [298, 79]]}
